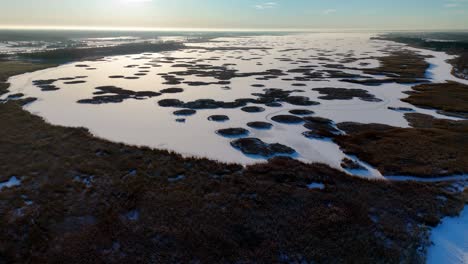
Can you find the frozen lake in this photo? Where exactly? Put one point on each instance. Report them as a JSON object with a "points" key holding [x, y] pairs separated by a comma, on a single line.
{"points": [[140, 119]]}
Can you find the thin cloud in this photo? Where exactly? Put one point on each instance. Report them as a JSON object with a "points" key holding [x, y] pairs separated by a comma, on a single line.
{"points": [[454, 3], [267, 5]]}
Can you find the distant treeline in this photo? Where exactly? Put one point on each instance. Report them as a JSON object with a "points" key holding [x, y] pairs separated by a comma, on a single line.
{"points": [[74, 54]]}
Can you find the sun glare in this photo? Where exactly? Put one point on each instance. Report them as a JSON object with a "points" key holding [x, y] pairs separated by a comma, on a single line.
{"points": [[135, 1]]}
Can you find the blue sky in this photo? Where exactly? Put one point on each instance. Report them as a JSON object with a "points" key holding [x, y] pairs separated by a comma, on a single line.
{"points": [[238, 14]]}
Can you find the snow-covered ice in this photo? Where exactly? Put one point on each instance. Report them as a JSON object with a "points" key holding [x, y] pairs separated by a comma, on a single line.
{"points": [[450, 241], [144, 122], [316, 185], [12, 182]]}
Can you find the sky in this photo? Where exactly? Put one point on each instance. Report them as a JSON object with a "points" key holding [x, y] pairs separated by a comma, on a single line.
{"points": [[237, 14]]}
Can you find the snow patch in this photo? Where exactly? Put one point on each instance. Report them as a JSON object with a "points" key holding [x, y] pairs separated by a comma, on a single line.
{"points": [[12, 182], [316, 185], [450, 241]]}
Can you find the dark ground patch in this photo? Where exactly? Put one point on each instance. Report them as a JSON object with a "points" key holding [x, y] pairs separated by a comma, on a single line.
{"points": [[172, 90], [449, 98], [223, 73], [459, 46], [345, 94], [287, 119], [301, 112], [299, 84], [378, 82], [233, 132], [401, 109], [319, 128], [15, 96], [255, 146], [112, 94], [435, 147], [399, 66], [351, 165], [300, 100], [75, 82], [73, 54], [258, 85], [402, 65], [260, 125], [253, 109], [47, 85], [460, 64], [271, 97], [48, 88], [185, 112], [218, 118]]}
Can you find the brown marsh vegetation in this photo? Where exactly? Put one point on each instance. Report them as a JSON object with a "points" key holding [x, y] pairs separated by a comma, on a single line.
{"points": [[87, 200], [401, 65], [461, 66], [437, 148], [12, 68], [450, 98]]}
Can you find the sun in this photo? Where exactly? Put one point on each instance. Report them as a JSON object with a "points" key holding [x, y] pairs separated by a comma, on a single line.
{"points": [[135, 1]]}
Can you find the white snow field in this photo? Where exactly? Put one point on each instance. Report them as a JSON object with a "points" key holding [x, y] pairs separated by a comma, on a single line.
{"points": [[144, 122]]}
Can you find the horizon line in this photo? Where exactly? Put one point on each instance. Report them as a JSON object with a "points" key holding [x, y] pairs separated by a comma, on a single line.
{"points": [[188, 29]]}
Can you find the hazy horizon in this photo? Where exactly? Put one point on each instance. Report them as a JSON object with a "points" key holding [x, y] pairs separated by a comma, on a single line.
{"points": [[292, 15], [188, 29]]}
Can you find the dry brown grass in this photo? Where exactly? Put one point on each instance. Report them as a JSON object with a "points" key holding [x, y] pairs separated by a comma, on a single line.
{"points": [[11, 68], [450, 97], [434, 148], [461, 65], [215, 213], [402, 64]]}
